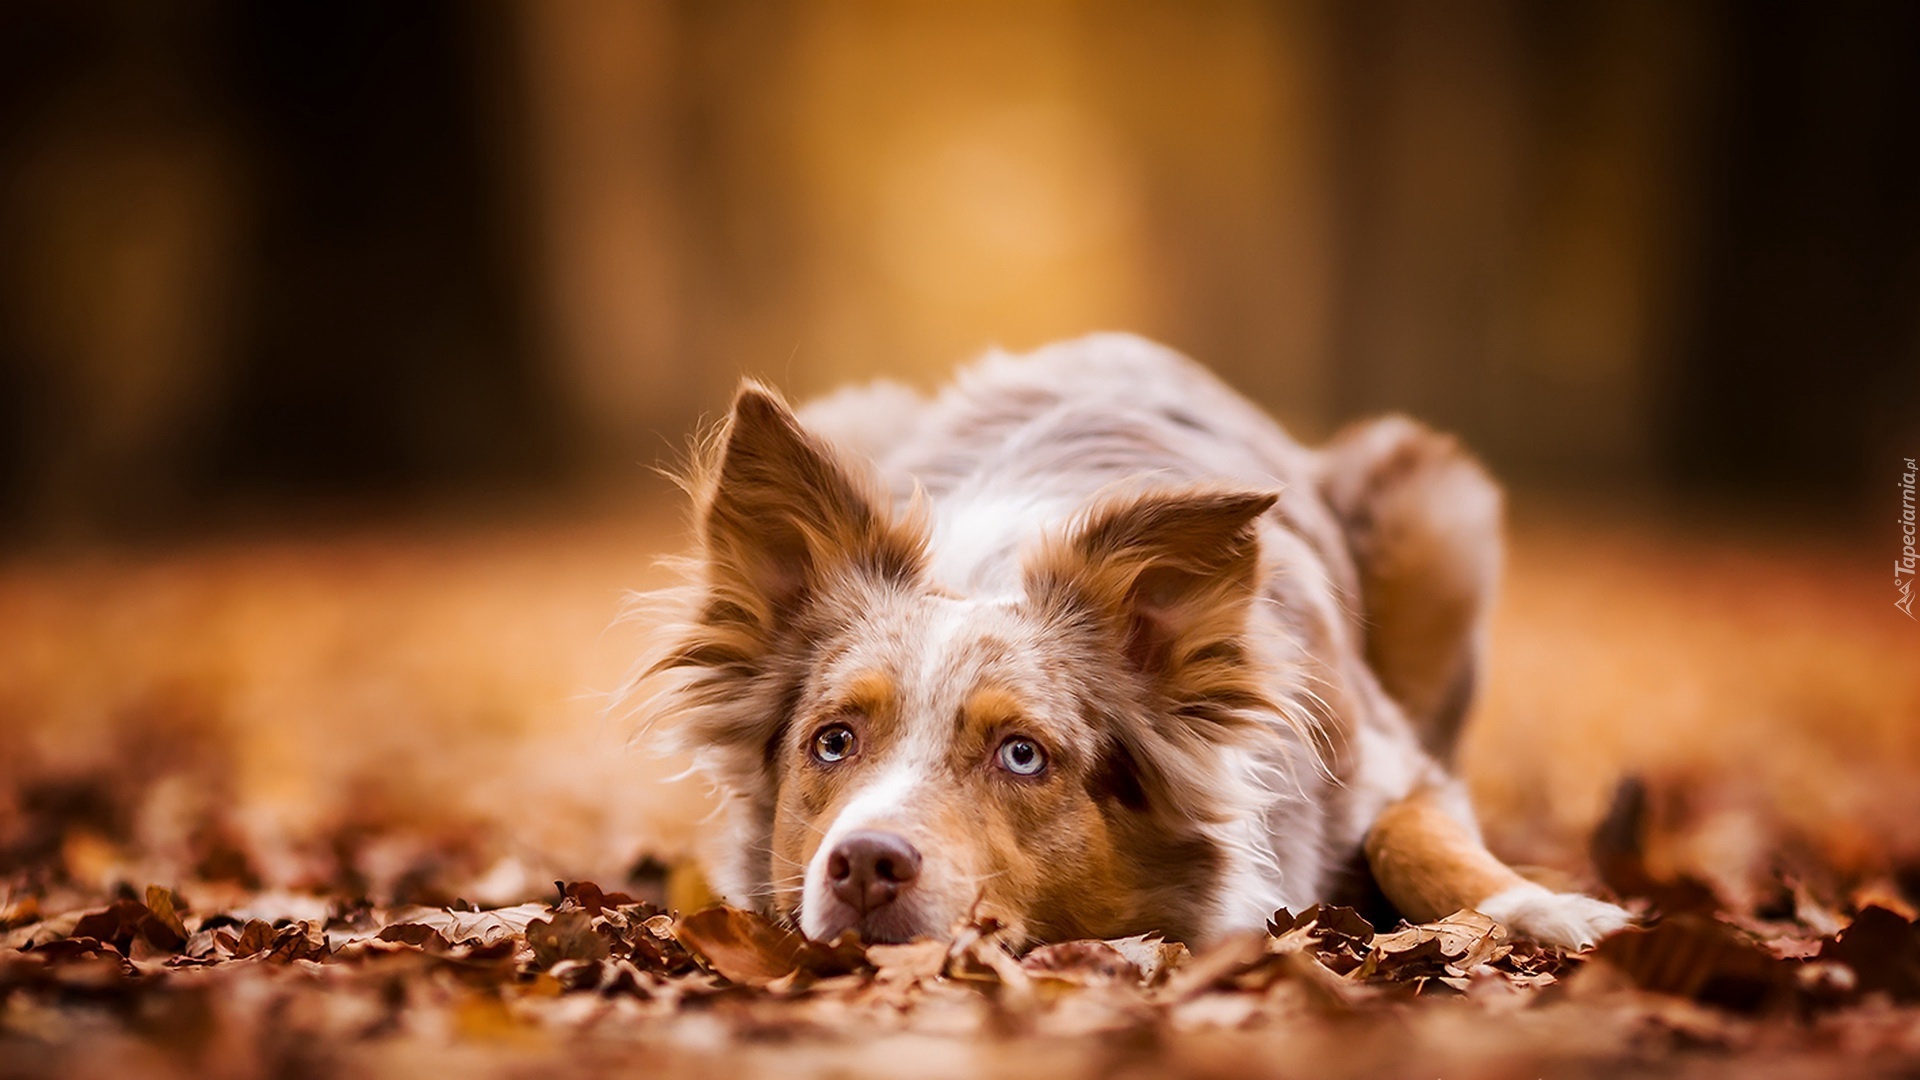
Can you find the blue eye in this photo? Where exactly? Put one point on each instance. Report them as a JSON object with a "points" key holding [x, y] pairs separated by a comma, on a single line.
{"points": [[1022, 756], [833, 743]]}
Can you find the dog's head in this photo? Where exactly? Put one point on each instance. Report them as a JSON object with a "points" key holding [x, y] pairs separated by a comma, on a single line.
{"points": [[897, 756]]}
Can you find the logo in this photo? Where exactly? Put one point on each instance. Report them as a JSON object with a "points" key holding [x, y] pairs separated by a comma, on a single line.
{"points": [[1903, 566]]}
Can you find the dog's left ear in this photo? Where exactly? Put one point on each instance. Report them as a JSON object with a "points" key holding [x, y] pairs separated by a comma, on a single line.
{"points": [[782, 518], [1171, 571]]}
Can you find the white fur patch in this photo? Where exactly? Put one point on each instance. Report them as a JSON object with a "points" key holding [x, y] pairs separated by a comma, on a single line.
{"points": [[1390, 766], [1252, 881], [971, 534], [881, 800], [1566, 920]]}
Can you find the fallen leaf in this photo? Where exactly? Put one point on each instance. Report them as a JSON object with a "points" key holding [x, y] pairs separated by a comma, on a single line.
{"points": [[1152, 954], [751, 951], [1883, 893], [1213, 967], [567, 935], [164, 907], [1882, 948], [481, 926], [1450, 947], [1700, 959], [911, 962], [1341, 936], [590, 897], [418, 935], [1088, 963], [1618, 848], [121, 922]]}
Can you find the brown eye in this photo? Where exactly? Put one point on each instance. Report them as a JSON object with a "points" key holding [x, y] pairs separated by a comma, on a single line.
{"points": [[1022, 756], [833, 743]]}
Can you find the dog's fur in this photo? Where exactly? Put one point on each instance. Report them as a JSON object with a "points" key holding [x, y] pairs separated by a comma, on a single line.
{"points": [[1246, 662]]}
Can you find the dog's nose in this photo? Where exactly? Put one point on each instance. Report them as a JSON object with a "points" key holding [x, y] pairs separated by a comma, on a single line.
{"points": [[868, 868]]}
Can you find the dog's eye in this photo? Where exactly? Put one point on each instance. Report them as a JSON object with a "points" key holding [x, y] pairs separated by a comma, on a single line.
{"points": [[1022, 756], [833, 743]]}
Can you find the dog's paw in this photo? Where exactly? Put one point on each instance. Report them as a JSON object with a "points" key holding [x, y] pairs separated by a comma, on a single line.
{"points": [[1566, 920]]}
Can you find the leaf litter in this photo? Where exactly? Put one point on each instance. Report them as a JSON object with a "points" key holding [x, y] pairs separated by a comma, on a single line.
{"points": [[597, 978], [1816, 972]]}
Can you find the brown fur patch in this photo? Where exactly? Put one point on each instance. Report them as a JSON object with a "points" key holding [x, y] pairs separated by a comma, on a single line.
{"points": [[871, 693], [1429, 864], [992, 706]]}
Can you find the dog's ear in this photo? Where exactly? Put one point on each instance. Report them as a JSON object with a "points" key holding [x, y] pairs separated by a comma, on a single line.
{"points": [[782, 513], [1171, 572], [779, 516]]}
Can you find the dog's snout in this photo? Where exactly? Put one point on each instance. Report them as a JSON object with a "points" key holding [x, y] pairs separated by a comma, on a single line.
{"points": [[868, 868]]}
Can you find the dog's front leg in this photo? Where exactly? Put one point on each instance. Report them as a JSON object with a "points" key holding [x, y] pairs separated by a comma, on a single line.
{"points": [[1430, 865]]}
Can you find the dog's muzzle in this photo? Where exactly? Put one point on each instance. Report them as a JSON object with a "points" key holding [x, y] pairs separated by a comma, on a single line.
{"points": [[868, 869]]}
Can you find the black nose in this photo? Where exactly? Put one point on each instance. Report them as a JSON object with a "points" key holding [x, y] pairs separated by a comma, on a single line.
{"points": [[869, 868]]}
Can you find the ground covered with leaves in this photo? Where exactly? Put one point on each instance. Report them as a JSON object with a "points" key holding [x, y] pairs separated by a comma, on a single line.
{"points": [[345, 806], [591, 979]]}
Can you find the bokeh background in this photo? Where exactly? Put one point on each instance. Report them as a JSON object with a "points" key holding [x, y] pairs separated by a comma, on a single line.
{"points": [[336, 342]]}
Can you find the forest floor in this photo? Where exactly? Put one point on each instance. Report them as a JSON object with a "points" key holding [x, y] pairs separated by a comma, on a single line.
{"points": [[345, 804]]}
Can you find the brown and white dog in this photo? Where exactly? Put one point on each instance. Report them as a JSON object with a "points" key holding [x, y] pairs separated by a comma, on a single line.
{"points": [[1085, 643]]}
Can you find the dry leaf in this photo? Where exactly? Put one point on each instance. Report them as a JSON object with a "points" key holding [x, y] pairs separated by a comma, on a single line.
{"points": [[1449, 948], [478, 926], [747, 949], [1341, 936], [164, 908], [1153, 955], [1882, 948], [567, 935], [911, 962], [1703, 960], [1088, 963], [1618, 846], [589, 896], [125, 920], [1213, 967]]}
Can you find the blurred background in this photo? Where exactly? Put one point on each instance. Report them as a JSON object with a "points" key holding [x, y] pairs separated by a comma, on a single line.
{"points": [[262, 254], [335, 341]]}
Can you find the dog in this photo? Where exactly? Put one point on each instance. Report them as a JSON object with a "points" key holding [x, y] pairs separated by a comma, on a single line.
{"points": [[1088, 645]]}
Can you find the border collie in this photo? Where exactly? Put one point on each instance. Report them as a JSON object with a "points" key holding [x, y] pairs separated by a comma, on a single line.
{"points": [[1087, 644]]}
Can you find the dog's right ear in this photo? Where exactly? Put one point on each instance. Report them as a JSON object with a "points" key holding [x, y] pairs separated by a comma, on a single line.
{"points": [[781, 514], [1173, 573]]}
